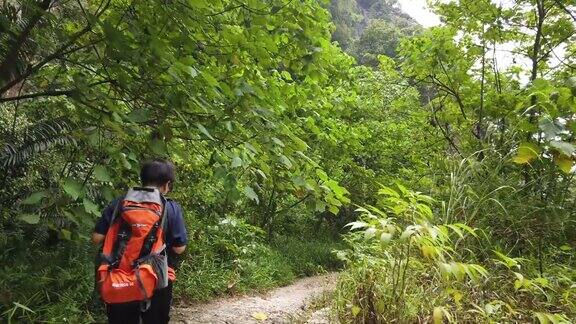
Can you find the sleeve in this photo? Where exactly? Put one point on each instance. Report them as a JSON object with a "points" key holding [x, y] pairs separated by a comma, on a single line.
{"points": [[103, 223], [176, 235]]}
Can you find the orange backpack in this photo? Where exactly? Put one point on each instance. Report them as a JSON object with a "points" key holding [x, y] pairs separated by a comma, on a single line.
{"points": [[134, 261]]}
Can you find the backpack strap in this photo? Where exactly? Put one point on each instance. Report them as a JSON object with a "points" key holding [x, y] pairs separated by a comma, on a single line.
{"points": [[113, 258], [116, 211], [122, 237], [145, 304], [153, 234], [124, 234]]}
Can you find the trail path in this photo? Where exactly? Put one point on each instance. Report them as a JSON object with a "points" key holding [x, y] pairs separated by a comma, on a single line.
{"points": [[283, 305]]}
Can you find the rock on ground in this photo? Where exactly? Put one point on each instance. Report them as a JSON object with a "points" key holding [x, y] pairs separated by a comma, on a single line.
{"points": [[282, 305]]}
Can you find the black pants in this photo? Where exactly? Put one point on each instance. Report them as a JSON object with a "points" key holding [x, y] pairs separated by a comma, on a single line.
{"points": [[130, 313]]}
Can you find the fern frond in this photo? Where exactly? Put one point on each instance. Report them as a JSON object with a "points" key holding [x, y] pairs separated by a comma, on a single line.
{"points": [[35, 140]]}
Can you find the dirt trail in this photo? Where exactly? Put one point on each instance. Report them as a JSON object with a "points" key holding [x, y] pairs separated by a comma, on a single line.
{"points": [[282, 305]]}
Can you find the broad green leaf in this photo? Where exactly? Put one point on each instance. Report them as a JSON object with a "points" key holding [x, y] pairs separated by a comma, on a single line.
{"points": [[286, 75], [564, 163], [428, 251], [542, 318], [278, 142], [66, 234], [286, 161], [139, 116], [251, 194], [29, 218], [236, 162], [204, 131], [101, 174], [73, 188], [356, 310], [563, 147], [321, 175], [369, 233], [388, 192], [526, 153], [565, 248], [90, 207], [333, 209], [158, 147], [386, 237], [210, 80], [35, 198], [549, 127]]}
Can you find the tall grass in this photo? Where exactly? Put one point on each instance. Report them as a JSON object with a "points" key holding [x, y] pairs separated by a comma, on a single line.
{"points": [[496, 272]]}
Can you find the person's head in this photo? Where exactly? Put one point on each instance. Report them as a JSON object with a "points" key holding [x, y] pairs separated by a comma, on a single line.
{"points": [[159, 174]]}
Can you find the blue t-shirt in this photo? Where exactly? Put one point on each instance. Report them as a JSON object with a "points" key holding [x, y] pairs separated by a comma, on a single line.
{"points": [[175, 229]]}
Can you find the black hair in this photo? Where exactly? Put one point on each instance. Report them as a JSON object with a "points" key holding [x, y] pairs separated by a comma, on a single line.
{"points": [[157, 173]]}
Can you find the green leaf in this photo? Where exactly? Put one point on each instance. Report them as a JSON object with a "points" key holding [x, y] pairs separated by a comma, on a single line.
{"points": [[30, 218], [526, 153], [356, 310], [66, 234], [251, 194], [236, 162], [565, 248], [437, 315], [286, 75], [139, 116], [35, 198], [321, 175], [278, 142], [564, 163], [563, 147], [549, 127], [356, 225], [73, 188], [18, 305], [90, 207], [158, 147], [333, 209], [204, 131], [542, 318], [388, 192], [210, 80], [101, 174], [386, 237], [286, 161], [369, 233]]}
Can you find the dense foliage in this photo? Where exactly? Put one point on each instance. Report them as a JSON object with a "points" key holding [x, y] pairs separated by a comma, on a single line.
{"points": [[279, 136], [497, 243]]}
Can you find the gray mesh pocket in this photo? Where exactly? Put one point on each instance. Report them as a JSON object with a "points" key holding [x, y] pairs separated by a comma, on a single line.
{"points": [[159, 263]]}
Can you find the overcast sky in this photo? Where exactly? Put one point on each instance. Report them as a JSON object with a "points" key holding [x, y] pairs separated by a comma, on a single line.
{"points": [[418, 10]]}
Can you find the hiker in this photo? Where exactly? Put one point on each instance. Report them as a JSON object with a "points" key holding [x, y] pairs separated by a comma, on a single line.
{"points": [[143, 233]]}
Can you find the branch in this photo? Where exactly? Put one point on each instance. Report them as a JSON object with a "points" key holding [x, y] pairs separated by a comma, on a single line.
{"points": [[52, 93], [63, 50], [444, 132], [454, 92], [285, 209], [55, 93], [563, 7], [10, 60]]}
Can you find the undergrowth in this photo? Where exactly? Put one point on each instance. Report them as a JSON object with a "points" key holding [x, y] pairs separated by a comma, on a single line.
{"points": [[55, 285], [233, 257], [405, 265]]}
